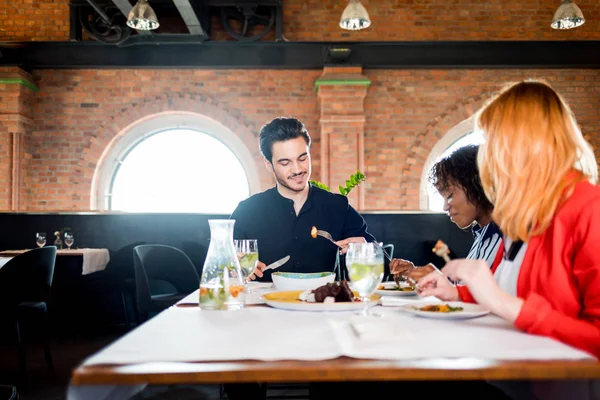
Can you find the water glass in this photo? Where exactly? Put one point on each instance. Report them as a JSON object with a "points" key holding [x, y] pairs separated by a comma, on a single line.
{"points": [[247, 252], [365, 270], [40, 239], [69, 240]]}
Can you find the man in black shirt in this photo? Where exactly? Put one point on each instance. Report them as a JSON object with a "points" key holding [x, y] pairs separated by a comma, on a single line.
{"points": [[281, 218]]}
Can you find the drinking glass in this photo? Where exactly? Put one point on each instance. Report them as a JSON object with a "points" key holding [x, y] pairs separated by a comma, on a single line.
{"points": [[247, 252], [69, 240], [40, 239], [365, 270]]}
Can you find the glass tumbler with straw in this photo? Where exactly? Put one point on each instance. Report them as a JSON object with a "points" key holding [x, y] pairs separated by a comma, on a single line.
{"points": [[365, 269]]}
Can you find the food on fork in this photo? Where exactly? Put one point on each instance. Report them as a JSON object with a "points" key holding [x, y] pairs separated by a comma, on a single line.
{"points": [[313, 232], [334, 292], [441, 250]]}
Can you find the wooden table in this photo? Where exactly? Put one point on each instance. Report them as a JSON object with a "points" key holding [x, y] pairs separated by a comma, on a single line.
{"points": [[341, 369], [335, 370], [64, 252]]}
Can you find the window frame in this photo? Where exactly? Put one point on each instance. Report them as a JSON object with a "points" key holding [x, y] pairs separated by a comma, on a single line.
{"points": [[130, 137], [456, 133]]}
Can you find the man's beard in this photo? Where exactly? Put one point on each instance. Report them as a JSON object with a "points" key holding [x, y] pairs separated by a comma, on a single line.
{"points": [[283, 182]]}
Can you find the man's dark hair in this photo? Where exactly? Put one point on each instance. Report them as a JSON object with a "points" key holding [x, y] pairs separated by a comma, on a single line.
{"points": [[460, 168], [280, 130]]}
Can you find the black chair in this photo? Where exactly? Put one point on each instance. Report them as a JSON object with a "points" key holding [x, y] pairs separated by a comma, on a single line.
{"points": [[163, 276], [117, 279], [25, 283], [8, 393]]}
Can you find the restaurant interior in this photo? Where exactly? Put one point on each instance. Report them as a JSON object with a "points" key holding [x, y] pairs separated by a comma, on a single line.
{"points": [[129, 123]]}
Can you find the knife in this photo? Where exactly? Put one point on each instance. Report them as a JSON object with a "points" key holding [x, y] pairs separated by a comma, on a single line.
{"points": [[277, 263]]}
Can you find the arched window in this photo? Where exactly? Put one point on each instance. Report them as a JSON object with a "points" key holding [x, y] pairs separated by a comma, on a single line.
{"points": [[461, 135], [436, 201], [178, 170], [170, 164]]}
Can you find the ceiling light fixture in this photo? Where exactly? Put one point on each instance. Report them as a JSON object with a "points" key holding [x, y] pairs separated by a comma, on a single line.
{"points": [[142, 17], [355, 16], [567, 16]]}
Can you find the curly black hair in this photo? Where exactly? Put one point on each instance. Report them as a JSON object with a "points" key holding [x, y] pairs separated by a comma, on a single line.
{"points": [[460, 168]]}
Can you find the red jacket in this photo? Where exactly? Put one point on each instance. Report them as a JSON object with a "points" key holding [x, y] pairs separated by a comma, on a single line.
{"points": [[559, 279]]}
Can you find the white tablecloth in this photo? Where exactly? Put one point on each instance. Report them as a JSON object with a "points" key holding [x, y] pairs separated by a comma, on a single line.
{"points": [[93, 259], [4, 260], [190, 334]]}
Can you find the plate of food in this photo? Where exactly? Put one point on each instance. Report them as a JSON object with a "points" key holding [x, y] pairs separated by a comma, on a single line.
{"points": [[334, 296], [396, 289], [448, 310]]}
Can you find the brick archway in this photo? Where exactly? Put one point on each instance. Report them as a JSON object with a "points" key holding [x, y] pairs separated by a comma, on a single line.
{"points": [[108, 135], [424, 142]]}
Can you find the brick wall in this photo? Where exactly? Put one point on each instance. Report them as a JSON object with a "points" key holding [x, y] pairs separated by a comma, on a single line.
{"points": [[77, 113], [25, 20]]}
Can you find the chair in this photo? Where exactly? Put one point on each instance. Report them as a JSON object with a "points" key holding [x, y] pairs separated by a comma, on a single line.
{"points": [[118, 278], [163, 276], [8, 393], [25, 283]]}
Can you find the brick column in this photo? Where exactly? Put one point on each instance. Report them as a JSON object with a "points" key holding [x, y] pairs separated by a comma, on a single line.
{"points": [[16, 112], [342, 91]]}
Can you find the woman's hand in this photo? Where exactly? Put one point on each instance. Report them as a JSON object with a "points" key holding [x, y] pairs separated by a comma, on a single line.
{"points": [[478, 278], [419, 272], [436, 284], [401, 267], [406, 269]]}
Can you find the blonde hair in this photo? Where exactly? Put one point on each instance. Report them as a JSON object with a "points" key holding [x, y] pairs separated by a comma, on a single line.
{"points": [[532, 147]]}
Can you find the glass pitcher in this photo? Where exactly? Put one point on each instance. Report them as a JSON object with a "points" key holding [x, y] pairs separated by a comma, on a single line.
{"points": [[222, 282]]}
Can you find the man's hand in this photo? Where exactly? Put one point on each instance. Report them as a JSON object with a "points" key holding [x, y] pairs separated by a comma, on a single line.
{"points": [[344, 243], [258, 271]]}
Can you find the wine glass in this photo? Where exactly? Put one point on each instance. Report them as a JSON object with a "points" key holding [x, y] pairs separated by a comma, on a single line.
{"points": [[365, 270], [40, 239], [247, 252], [69, 240]]}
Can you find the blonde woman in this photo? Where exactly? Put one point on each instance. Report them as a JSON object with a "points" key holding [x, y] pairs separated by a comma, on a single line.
{"points": [[540, 174]]}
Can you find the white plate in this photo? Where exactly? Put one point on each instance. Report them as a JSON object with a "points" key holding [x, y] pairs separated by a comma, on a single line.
{"points": [[289, 301], [260, 285], [388, 290], [470, 310]]}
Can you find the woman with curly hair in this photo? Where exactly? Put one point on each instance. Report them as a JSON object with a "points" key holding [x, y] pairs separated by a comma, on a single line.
{"points": [[456, 178]]}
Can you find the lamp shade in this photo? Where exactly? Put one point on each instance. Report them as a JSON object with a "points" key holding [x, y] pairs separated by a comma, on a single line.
{"points": [[142, 17], [355, 16], [567, 16]]}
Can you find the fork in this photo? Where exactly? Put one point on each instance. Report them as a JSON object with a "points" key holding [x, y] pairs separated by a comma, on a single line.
{"points": [[328, 236]]}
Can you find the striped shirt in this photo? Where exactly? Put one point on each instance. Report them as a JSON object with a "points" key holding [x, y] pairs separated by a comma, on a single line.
{"points": [[486, 244]]}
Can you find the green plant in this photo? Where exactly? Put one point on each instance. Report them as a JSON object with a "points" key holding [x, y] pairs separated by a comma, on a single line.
{"points": [[354, 180], [320, 185]]}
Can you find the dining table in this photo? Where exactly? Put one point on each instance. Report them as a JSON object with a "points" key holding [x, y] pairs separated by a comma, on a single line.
{"points": [[188, 345], [92, 260]]}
